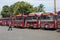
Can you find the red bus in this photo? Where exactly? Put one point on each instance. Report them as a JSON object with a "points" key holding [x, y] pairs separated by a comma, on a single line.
{"points": [[58, 20], [31, 21], [5, 21], [47, 21], [0, 21], [18, 21]]}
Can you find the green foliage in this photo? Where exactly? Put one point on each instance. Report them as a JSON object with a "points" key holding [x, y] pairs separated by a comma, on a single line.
{"points": [[40, 8], [20, 8], [5, 11]]}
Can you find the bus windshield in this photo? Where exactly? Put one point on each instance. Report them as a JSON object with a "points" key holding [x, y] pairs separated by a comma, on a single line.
{"points": [[32, 17], [58, 17], [19, 18], [46, 17], [31, 22]]}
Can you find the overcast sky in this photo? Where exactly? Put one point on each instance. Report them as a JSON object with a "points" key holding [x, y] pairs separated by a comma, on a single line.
{"points": [[49, 4]]}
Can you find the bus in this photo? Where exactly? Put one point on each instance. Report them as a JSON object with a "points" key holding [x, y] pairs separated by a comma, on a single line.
{"points": [[5, 21], [58, 20], [47, 21], [32, 21], [18, 21], [0, 21]]}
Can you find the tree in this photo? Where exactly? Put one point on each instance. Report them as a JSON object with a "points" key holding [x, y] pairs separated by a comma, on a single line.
{"points": [[40, 8], [6, 11], [22, 7]]}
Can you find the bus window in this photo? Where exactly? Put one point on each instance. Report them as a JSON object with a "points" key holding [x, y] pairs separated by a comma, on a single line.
{"points": [[58, 17], [35, 17], [31, 17], [19, 18], [46, 17]]}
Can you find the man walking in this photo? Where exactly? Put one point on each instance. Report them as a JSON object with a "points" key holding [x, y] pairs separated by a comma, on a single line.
{"points": [[10, 27]]}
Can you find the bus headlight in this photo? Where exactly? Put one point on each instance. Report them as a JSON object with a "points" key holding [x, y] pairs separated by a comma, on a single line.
{"points": [[46, 26]]}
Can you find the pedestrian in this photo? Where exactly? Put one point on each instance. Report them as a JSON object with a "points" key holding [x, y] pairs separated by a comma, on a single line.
{"points": [[10, 27]]}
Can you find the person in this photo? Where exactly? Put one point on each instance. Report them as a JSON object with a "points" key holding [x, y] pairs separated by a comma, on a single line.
{"points": [[10, 27]]}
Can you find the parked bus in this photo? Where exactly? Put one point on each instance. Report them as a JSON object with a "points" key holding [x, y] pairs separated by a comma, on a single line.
{"points": [[32, 21], [47, 20], [58, 20], [0, 21], [18, 21], [5, 21]]}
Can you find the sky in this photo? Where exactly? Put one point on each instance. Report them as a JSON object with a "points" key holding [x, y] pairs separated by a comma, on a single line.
{"points": [[48, 4]]}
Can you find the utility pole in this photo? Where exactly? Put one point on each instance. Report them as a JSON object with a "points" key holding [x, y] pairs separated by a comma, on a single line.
{"points": [[55, 6]]}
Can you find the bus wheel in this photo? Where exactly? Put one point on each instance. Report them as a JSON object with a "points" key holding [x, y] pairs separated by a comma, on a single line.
{"points": [[14, 26], [30, 27]]}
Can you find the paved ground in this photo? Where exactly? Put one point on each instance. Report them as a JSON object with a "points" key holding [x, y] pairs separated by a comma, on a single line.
{"points": [[27, 34]]}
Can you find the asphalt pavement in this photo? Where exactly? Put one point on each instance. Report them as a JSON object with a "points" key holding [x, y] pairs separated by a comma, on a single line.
{"points": [[28, 34]]}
